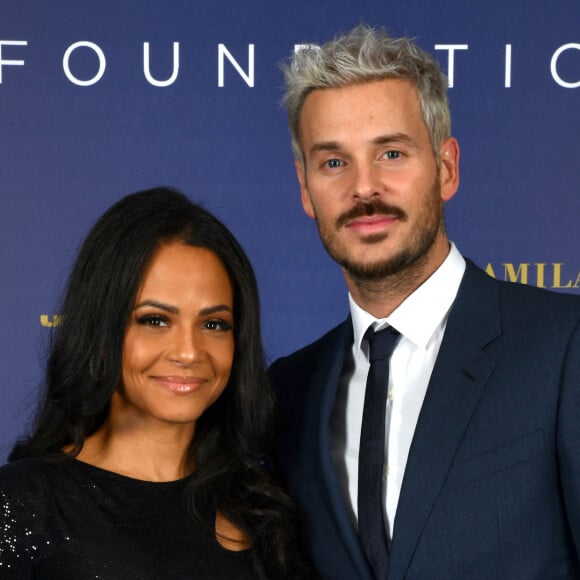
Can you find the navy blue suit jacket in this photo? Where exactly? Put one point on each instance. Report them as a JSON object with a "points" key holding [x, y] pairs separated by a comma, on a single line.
{"points": [[492, 485]]}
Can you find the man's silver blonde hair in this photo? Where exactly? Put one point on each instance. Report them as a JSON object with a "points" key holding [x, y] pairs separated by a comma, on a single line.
{"points": [[364, 55]]}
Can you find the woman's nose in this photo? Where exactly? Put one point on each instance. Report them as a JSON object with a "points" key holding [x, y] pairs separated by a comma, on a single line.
{"points": [[187, 348]]}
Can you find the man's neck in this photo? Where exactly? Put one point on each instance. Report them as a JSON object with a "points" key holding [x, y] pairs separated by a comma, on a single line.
{"points": [[381, 297]]}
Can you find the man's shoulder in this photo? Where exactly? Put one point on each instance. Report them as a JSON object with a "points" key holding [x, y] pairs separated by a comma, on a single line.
{"points": [[517, 291], [313, 350], [291, 375], [300, 379]]}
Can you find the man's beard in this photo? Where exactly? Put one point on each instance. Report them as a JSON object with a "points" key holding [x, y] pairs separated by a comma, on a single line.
{"points": [[429, 224]]}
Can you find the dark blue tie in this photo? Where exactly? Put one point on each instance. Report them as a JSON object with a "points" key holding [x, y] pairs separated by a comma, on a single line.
{"points": [[372, 452]]}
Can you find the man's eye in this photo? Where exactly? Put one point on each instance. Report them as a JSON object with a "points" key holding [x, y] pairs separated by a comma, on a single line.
{"points": [[334, 163], [392, 154]]}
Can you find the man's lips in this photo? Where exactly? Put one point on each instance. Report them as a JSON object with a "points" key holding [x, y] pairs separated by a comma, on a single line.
{"points": [[371, 214], [371, 224], [180, 384]]}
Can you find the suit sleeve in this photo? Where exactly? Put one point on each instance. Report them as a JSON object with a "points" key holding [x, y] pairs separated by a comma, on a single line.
{"points": [[569, 435]]}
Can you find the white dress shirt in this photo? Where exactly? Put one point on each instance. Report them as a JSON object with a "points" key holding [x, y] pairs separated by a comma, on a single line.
{"points": [[421, 320]]}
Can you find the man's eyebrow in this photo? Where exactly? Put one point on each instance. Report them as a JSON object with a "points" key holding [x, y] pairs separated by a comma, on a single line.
{"points": [[324, 146], [393, 138], [380, 140]]}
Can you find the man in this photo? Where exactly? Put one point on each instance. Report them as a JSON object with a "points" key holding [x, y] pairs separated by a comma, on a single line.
{"points": [[481, 438]]}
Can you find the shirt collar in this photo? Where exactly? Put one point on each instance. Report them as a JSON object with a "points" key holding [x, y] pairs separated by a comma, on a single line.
{"points": [[421, 313]]}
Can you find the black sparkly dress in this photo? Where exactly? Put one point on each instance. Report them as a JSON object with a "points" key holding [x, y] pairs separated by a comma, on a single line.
{"points": [[69, 520]]}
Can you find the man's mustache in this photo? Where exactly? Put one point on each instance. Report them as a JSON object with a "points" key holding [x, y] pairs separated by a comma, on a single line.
{"points": [[369, 208]]}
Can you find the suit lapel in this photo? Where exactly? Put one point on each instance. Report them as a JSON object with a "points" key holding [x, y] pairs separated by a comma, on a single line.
{"points": [[461, 371], [326, 373]]}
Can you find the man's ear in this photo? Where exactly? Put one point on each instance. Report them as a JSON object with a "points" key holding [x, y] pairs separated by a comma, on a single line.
{"points": [[304, 193], [449, 168]]}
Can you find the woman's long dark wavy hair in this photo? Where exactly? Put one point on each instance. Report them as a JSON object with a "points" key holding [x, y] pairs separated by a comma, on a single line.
{"points": [[233, 437]]}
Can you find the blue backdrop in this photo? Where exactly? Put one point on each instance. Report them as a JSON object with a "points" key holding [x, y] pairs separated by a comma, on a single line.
{"points": [[100, 99]]}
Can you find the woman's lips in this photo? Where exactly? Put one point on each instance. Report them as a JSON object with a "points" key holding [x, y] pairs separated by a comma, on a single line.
{"points": [[180, 384]]}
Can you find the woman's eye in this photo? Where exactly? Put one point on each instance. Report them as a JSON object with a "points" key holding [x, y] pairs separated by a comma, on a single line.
{"points": [[152, 320], [218, 324]]}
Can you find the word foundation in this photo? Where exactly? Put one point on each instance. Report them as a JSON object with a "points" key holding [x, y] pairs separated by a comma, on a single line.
{"points": [[454, 53]]}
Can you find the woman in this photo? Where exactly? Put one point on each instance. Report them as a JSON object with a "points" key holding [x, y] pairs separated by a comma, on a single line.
{"points": [[149, 454]]}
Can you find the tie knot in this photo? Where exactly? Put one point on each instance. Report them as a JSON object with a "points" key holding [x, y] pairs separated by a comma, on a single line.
{"points": [[382, 342]]}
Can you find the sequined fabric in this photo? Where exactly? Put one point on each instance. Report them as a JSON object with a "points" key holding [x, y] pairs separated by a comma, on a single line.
{"points": [[69, 520]]}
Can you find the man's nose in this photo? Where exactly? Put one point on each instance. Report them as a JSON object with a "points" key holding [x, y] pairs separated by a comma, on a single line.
{"points": [[366, 182]]}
